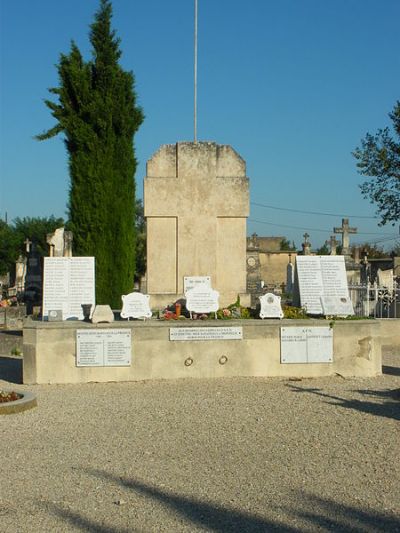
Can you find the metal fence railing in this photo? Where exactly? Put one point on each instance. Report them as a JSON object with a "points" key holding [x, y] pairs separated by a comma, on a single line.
{"points": [[373, 300]]}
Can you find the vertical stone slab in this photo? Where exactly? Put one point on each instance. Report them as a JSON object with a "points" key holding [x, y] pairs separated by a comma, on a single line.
{"points": [[204, 187], [161, 255]]}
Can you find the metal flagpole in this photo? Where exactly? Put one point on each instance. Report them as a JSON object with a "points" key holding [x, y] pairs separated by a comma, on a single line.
{"points": [[195, 70]]}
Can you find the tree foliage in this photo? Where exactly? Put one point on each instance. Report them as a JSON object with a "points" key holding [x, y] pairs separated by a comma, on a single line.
{"points": [[140, 226], [97, 113], [285, 245], [13, 236], [379, 158]]}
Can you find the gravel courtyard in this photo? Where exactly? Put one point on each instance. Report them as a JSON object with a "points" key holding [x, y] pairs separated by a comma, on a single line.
{"points": [[204, 455]]}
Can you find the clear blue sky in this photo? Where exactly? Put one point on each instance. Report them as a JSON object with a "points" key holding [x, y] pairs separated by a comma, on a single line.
{"points": [[292, 85]]}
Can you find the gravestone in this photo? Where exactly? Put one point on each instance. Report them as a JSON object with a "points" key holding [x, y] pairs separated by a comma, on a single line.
{"points": [[270, 306], [332, 243], [60, 243], [306, 245], [317, 277], [33, 279], [196, 202], [69, 282], [345, 230]]}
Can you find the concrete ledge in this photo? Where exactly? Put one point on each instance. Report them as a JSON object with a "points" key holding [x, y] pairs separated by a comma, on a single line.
{"points": [[28, 401], [50, 351]]}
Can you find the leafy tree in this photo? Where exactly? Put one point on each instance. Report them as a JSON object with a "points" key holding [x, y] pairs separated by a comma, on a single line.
{"points": [[8, 248], [285, 245], [97, 113], [323, 250], [371, 250], [13, 236], [36, 230], [379, 158]]}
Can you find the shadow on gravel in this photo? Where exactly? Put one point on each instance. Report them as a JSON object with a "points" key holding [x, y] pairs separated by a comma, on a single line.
{"points": [[328, 515], [387, 409], [199, 513], [316, 513], [78, 521], [11, 369]]}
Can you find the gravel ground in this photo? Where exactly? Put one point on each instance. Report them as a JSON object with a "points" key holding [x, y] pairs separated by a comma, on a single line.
{"points": [[205, 455]]}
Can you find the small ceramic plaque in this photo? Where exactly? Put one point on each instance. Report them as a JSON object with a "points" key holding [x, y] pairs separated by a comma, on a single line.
{"points": [[270, 306], [202, 300], [136, 305]]}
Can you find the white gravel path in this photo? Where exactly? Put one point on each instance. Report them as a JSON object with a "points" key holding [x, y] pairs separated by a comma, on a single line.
{"points": [[205, 455]]}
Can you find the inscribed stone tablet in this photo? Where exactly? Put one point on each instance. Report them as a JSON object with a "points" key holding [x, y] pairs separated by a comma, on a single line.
{"points": [[206, 334], [320, 276], [202, 300], [136, 305], [190, 282], [103, 347], [68, 283], [336, 305], [270, 306], [306, 345]]}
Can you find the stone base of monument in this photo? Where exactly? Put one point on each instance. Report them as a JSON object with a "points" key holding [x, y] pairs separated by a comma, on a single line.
{"points": [[78, 352]]}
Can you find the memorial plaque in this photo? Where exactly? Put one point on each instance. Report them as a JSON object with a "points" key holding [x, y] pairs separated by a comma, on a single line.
{"points": [[190, 282], [206, 334], [202, 299], [320, 276], [136, 305], [306, 345], [68, 283], [270, 306], [103, 347], [336, 305]]}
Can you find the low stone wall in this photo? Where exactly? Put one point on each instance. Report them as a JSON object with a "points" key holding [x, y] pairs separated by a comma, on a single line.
{"points": [[50, 351]]}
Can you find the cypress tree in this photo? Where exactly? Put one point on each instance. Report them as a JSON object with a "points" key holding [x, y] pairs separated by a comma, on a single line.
{"points": [[98, 115]]}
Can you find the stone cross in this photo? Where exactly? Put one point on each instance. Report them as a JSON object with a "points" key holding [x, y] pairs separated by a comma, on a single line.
{"points": [[345, 230], [196, 201], [27, 243], [332, 243], [306, 244]]}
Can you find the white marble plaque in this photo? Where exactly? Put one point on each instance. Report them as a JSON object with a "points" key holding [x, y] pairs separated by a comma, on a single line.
{"points": [[320, 276], [337, 306], [136, 305], [68, 283], [202, 299], [206, 333], [270, 306], [190, 282], [306, 345], [103, 347]]}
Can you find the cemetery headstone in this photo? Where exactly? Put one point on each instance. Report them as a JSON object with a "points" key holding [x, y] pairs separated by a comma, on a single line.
{"points": [[270, 306], [320, 276], [33, 279], [69, 282], [136, 305], [345, 230]]}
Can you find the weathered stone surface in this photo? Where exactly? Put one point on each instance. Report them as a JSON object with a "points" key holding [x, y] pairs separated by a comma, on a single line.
{"points": [[196, 201], [102, 313]]}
